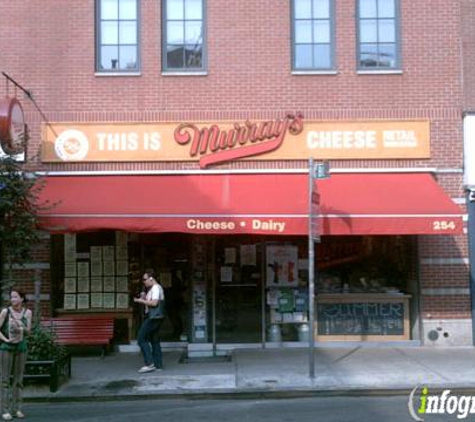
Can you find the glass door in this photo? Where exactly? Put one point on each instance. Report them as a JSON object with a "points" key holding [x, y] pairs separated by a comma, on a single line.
{"points": [[237, 290]]}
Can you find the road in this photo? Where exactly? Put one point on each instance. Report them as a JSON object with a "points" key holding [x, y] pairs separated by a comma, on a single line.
{"points": [[324, 409]]}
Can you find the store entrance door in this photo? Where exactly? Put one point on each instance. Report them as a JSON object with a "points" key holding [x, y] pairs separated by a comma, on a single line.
{"points": [[237, 292]]}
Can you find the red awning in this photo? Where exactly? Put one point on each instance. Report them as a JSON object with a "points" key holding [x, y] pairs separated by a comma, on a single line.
{"points": [[277, 204]]}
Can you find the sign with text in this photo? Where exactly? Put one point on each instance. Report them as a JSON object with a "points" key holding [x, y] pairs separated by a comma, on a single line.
{"points": [[377, 319], [285, 138]]}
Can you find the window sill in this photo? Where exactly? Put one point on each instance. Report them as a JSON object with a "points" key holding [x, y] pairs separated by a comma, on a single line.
{"points": [[198, 73], [314, 72], [380, 72], [114, 74]]}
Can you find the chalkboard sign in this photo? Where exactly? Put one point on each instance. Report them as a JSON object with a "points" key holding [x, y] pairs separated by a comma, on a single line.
{"points": [[376, 319]]}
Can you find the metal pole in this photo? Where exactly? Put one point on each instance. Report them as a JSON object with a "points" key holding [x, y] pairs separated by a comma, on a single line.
{"points": [[471, 252], [263, 293], [213, 294], [311, 275]]}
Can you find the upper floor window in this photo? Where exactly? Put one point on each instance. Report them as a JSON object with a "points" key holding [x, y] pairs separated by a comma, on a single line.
{"points": [[183, 35], [378, 37], [313, 40], [117, 36]]}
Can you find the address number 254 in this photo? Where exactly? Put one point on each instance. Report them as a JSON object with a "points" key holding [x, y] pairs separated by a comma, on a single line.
{"points": [[443, 225]]}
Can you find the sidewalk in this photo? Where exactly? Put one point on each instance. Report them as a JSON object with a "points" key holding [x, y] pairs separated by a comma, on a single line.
{"points": [[269, 371]]}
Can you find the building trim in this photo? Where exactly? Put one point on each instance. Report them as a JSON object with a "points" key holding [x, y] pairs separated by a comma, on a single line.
{"points": [[379, 72], [112, 215], [114, 74], [43, 297], [446, 291], [313, 72], [30, 266], [237, 171], [445, 261], [171, 73]]}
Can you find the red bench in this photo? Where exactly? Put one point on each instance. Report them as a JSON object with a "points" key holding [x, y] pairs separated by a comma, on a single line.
{"points": [[70, 331]]}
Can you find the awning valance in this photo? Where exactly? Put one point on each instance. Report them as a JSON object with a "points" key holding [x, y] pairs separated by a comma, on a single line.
{"points": [[275, 204]]}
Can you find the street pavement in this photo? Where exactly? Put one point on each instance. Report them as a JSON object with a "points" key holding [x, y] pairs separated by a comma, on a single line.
{"points": [[309, 409], [267, 373]]}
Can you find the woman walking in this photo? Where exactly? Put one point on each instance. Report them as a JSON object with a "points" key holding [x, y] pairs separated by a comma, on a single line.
{"points": [[149, 333], [15, 325]]}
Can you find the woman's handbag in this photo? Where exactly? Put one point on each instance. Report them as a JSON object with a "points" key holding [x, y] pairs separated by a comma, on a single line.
{"points": [[157, 312]]}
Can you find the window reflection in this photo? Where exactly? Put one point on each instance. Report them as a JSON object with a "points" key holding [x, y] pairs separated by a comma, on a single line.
{"points": [[184, 34], [377, 32], [312, 33], [118, 35]]}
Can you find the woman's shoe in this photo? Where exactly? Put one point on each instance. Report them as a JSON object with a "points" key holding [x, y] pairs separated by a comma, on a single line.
{"points": [[19, 414], [7, 417]]}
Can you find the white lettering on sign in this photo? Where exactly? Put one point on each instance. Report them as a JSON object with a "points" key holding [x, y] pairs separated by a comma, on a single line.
{"points": [[196, 224], [359, 139], [269, 225], [152, 141], [128, 141], [399, 139], [443, 225]]}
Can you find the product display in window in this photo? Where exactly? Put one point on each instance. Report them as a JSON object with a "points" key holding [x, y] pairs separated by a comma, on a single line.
{"points": [[287, 305], [97, 300], [70, 285], [69, 301], [96, 278]]}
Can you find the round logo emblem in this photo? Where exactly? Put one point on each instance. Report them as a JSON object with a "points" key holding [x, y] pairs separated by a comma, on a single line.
{"points": [[71, 145], [12, 126]]}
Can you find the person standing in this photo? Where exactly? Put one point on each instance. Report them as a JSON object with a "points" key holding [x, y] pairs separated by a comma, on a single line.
{"points": [[149, 332], [15, 325]]}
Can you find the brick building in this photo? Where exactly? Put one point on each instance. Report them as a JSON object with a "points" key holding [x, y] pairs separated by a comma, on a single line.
{"points": [[131, 89]]}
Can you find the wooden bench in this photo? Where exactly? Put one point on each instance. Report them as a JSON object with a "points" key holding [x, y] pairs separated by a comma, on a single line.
{"points": [[70, 331]]}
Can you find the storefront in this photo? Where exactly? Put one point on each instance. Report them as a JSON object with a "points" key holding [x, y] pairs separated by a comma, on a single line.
{"points": [[235, 248]]}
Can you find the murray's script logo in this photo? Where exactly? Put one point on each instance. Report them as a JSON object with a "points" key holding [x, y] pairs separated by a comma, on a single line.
{"points": [[214, 145]]}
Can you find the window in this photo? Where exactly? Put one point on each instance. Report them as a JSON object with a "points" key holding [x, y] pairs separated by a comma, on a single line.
{"points": [[117, 36], [183, 35], [378, 34], [313, 40]]}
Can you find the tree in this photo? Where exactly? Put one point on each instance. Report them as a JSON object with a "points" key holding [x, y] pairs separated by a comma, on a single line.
{"points": [[18, 217]]}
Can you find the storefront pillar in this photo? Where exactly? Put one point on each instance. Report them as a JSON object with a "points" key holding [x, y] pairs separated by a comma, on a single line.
{"points": [[471, 252], [469, 183]]}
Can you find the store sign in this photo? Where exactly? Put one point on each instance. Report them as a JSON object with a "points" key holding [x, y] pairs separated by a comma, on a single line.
{"points": [[243, 225], [287, 138], [12, 127], [215, 144]]}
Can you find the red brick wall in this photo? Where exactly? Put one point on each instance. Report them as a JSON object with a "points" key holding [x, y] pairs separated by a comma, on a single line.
{"points": [[468, 51], [24, 278], [48, 46], [446, 307]]}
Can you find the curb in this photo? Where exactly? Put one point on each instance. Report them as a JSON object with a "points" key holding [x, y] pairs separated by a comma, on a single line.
{"points": [[241, 394]]}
